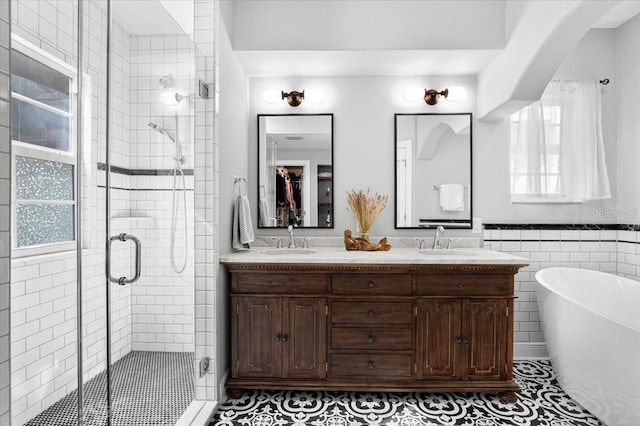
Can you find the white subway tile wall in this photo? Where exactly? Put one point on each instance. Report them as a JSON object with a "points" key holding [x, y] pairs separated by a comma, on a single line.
{"points": [[595, 249], [208, 303], [5, 209]]}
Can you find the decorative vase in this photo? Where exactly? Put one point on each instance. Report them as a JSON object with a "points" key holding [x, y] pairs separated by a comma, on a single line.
{"points": [[363, 234]]}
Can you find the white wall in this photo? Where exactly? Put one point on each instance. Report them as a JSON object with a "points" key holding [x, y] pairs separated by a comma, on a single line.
{"points": [[593, 58], [627, 62], [233, 153], [363, 109]]}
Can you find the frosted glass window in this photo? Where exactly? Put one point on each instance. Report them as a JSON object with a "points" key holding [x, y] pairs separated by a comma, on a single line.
{"points": [[44, 224], [43, 180]]}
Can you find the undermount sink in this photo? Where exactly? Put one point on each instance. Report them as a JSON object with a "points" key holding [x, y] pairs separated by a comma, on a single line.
{"points": [[285, 251], [446, 252]]}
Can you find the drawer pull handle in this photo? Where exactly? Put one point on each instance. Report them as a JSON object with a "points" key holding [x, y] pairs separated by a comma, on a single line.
{"points": [[371, 366], [371, 314], [371, 339], [465, 341], [461, 284], [458, 340], [285, 338], [278, 338], [371, 284]]}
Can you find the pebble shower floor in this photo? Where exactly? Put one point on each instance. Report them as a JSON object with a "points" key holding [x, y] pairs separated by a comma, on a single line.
{"points": [[149, 388], [541, 402]]}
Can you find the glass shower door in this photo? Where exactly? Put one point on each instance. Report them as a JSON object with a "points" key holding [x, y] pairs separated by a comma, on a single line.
{"points": [[149, 214]]}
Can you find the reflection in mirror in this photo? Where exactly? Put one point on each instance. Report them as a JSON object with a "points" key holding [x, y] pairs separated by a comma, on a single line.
{"points": [[433, 170], [295, 170]]}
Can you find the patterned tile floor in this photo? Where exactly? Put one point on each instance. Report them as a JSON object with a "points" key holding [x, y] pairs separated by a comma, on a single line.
{"points": [[149, 388], [541, 402]]}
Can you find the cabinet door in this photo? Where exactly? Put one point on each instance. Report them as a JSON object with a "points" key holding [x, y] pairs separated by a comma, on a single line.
{"points": [[486, 328], [258, 336], [438, 326], [305, 338]]}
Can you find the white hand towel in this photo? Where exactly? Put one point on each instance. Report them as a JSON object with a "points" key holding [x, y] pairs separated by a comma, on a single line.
{"points": [[452, 197], [242, 226]]}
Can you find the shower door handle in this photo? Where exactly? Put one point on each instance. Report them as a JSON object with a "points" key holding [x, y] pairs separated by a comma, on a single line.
{"points": [[125, 280]]}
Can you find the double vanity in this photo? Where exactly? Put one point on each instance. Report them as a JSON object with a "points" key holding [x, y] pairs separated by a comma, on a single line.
{"points": [[402, 320]]}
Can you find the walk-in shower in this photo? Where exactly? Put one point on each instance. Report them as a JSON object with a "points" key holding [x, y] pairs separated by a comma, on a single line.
{"points": [[99, 157]]}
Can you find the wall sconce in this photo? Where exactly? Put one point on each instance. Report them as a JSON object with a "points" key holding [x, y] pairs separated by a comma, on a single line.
{"points": [[432, 96], [293, 98]]}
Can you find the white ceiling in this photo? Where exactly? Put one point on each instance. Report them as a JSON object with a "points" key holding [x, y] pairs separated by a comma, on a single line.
{"points": [[154, 17], [149, 17], [434, 61]]}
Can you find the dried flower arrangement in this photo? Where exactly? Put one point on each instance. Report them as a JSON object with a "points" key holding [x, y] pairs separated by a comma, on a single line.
{"points": [[365, 209]]}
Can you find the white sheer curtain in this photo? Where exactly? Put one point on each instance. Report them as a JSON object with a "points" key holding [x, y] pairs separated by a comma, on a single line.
{"points": [[557, 149]]}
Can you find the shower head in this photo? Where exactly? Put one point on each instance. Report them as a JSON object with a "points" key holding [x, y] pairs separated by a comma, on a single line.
{"points": [[162, 131]]}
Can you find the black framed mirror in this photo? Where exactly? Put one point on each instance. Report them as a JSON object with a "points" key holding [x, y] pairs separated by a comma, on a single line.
{"points": [[295, 170], [433, 170]]}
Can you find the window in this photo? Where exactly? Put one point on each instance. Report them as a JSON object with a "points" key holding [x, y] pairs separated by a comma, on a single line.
{"points": [[535, 158], [43, 153], [557, 148]]}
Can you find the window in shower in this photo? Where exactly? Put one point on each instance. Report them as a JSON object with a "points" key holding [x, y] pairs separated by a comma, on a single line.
{"points": [[43, 153]]}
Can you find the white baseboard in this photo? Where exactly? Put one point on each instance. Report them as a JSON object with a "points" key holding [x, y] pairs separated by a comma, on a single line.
{"points": [[530, 350]]}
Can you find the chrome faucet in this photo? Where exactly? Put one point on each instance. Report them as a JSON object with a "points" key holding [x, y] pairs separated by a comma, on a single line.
{"points": [[292, 240], [436, 239]]}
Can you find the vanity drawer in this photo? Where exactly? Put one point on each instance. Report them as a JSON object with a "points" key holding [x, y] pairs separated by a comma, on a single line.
{"points": [[378, 365], [464, 285], [371, 338], [375, 284], [375, 313], [276, 282]]}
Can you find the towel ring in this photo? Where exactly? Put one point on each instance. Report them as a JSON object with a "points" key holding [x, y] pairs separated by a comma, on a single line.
{"points": [[238, 181]]}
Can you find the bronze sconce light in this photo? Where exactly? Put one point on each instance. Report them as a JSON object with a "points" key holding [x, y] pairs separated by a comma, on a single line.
{"points": [[294, 98]]}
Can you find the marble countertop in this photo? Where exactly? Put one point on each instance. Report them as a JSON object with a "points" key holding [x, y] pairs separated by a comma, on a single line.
{"points": [[397, 255]]}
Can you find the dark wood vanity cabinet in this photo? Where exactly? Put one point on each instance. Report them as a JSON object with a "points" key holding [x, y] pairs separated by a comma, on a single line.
{"points": [[372, 327], [461, 339], [280, 337]]}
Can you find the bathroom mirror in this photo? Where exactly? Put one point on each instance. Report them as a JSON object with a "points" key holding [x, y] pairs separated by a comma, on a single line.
{"points": [[433, 170], [295, 170]]}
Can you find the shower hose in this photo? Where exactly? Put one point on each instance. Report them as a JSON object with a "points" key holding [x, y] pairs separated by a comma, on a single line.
{"points": [[174, 218]]}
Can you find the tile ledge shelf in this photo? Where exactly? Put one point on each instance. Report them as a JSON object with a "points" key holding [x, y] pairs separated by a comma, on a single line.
{"points": [[563, 226]]}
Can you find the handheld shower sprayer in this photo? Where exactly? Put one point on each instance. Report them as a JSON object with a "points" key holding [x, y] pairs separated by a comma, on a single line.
{"points": [[178, 150], [178, 177]]}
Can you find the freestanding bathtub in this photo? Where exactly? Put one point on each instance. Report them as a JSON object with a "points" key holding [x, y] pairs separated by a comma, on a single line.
{"points": [[591, 322]]}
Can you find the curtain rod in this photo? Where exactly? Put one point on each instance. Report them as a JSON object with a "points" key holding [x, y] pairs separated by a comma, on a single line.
{"points": [[604, 81]]}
